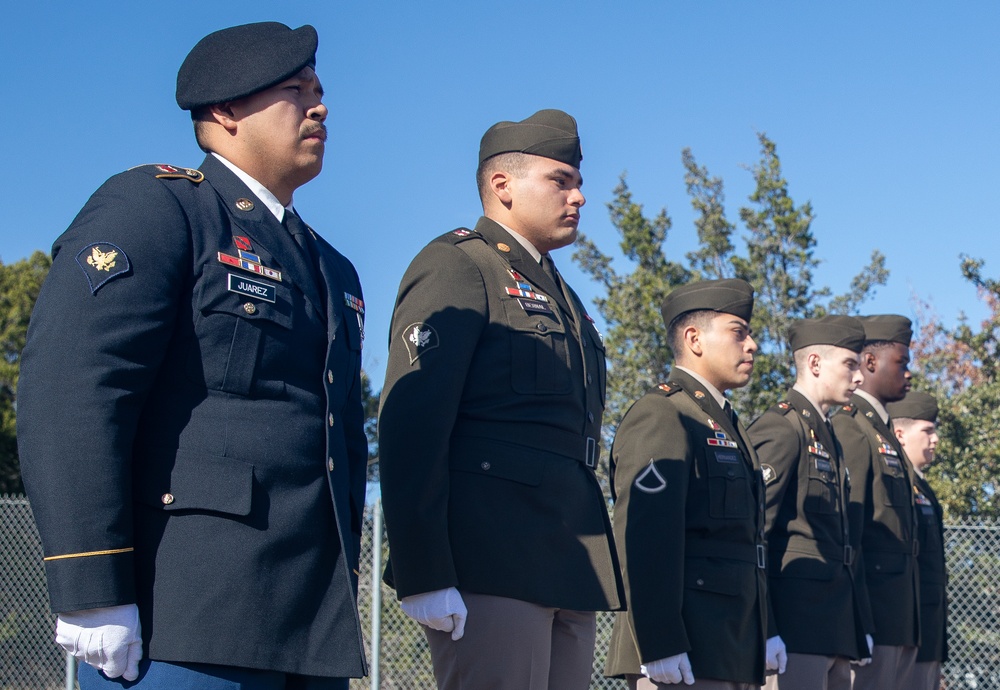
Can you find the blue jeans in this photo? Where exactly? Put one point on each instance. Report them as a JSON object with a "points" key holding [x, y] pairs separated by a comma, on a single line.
{"points": [[162, 675]]}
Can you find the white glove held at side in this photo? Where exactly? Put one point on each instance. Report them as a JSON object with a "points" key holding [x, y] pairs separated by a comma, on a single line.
{"points": [[671, 670], [108, 639], [868, 659], [441, 610], [776, 657]]}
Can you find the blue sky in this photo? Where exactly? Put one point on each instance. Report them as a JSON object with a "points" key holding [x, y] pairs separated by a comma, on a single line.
{"points": [[885, 116]]}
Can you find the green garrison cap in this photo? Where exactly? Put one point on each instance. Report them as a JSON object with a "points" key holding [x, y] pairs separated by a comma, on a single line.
{"points": [[888, 327], [839, 331], [548, 133], [916, 405], [242, 60], [730, 296]]}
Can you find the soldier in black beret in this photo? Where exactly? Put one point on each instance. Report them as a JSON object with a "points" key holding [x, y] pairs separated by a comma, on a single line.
{"points": [[189, 410], [689, 510], [817, 610], [914, 421], [500, 540], [881, 508]]}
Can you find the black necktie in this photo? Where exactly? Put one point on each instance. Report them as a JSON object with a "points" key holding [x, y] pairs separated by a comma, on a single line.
{"points": [[300, 233], [549, 267], [731, 411]]}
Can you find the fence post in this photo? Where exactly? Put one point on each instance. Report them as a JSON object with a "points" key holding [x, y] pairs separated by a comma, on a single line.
{"points": [[70, 671], [376, 593]]}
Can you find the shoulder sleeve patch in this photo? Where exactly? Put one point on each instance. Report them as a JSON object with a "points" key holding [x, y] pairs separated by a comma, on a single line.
{"points": [[419, 338], [101, 262], [770, 476]]}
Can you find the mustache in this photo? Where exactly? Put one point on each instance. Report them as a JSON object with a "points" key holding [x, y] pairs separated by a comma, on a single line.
{"points": [[314, 129]]}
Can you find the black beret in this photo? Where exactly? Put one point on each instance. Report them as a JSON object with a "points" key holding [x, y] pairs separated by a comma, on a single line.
{"points": [[730, 296], [888, 327], [242, 60], [548, 133], [916, 405], [839, 331]]}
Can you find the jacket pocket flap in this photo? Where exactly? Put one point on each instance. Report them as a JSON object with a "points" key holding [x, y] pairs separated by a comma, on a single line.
{"points": [[195, 481], [522, 470]]}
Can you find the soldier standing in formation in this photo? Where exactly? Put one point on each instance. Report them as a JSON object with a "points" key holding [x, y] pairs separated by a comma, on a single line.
{"points": [[189, 410], [881, 509], [810, 558], [689, 516], [914, 420], [500, 540]]}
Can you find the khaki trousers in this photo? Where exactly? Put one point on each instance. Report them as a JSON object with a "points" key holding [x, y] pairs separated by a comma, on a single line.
{"points": [[890, 668], [812, 672], [513, 645], [643, 683], [926, 675]]}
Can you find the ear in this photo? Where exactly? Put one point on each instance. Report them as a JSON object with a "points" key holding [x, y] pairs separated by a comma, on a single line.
{"points": [[224, 114], [812, 362], [868, 361], [500, 183], [899, 434], [692, 341]]}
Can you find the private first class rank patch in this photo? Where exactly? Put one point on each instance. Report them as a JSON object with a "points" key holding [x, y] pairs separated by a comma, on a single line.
{"points": [[101, 262]]}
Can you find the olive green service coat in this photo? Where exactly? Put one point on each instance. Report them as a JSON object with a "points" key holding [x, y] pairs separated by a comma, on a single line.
{"points": [[488, 429], [933, 574], [883, 523], [810, 578], [689, 522]]}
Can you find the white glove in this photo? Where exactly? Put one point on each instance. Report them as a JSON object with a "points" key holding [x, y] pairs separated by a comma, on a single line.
{"points": [[776, 658], [108, 639], [670, 670], [441, 610], [868, 659]]}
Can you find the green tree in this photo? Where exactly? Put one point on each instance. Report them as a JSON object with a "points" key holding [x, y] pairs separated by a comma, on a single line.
{"points": [[636, 341], [961, 366], [778, 261], [369, 400], [19, 286]]}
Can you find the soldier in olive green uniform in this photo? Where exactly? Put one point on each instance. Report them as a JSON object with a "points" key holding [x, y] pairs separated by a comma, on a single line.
{"points": [[810, 575], [883, 521], [491, 414], [914, 422], [689, 516]]}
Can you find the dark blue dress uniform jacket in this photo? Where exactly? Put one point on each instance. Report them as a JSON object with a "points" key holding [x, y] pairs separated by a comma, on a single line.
{"points": [[191, 434]]}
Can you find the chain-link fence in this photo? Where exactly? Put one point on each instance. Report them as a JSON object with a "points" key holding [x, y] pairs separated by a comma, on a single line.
{"points": [[30, 659]]}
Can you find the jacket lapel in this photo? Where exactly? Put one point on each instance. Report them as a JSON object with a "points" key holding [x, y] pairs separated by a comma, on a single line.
{"points": [[521, 261], [260, 225], [704, 399]]}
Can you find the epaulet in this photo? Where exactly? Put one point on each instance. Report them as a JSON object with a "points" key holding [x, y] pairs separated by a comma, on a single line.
{"points": [[783, 407], [668, 389], [460, 235], [163, 171], [848, 409]]}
